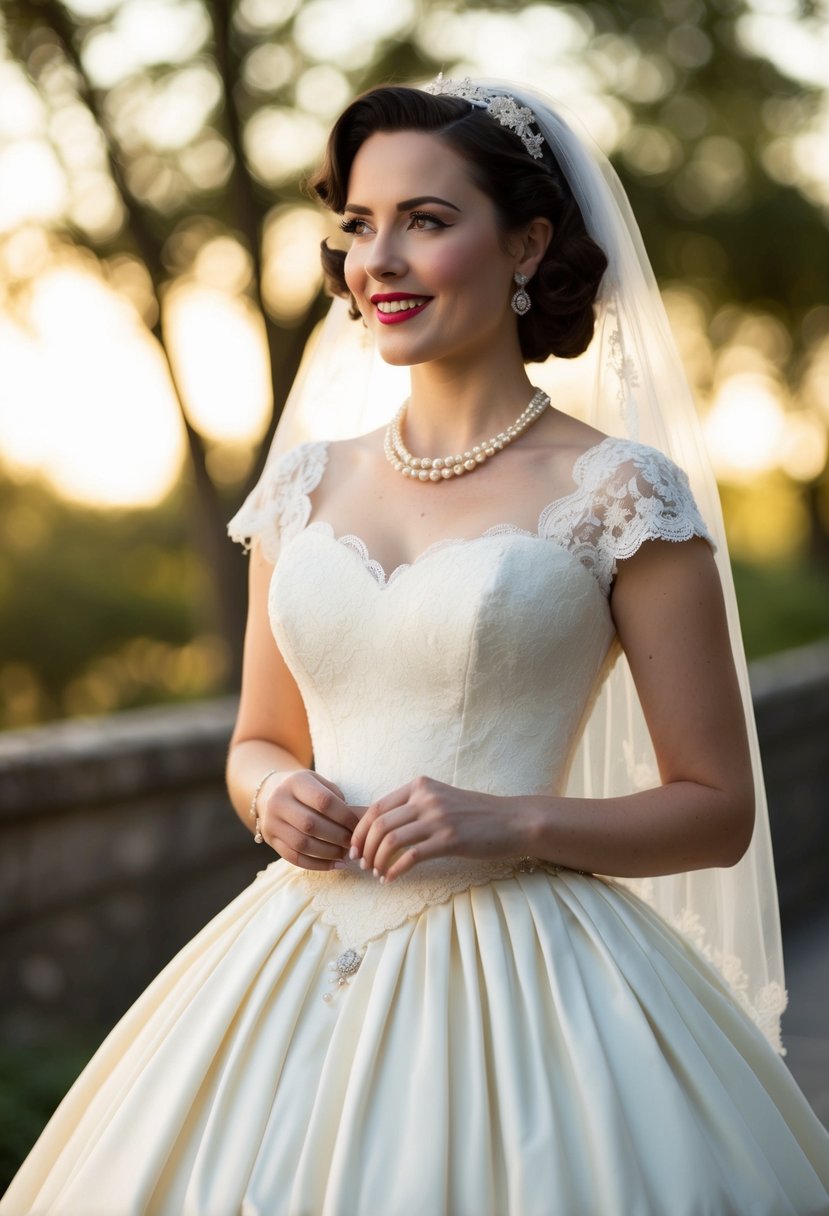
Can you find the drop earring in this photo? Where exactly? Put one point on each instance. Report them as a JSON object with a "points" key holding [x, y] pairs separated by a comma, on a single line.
{"points": [[521, 302]]}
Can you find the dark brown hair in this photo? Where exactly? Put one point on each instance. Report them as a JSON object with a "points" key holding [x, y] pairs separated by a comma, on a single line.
{"points": [[564, 287]]}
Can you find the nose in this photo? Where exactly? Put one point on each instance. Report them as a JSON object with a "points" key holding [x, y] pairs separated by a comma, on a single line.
{"points": [[385, 259]]}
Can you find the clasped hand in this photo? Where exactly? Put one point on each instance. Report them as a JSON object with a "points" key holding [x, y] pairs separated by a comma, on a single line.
{"points": [[307, 820]]}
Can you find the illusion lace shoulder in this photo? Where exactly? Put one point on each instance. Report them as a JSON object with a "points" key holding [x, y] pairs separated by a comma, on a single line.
{"points": [[625, 493], [279, 506]]}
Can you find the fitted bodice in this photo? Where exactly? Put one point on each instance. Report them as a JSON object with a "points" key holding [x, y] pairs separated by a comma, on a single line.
{"points": [[474, 665], [477, 663]]}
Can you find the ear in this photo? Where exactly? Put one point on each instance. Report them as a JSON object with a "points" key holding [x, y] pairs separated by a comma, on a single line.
{"points": [[531, 245]]}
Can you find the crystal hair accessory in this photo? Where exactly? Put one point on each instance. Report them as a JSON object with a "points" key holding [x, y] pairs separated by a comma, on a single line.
{"points": [[503, 108]]}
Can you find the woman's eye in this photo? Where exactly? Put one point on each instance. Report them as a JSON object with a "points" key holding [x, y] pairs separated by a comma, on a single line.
{"points": [[419, 221], [423, 220], [354, 226]]}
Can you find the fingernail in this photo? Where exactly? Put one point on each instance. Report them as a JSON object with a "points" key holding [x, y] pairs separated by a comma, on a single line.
{"points": [[382, 878], [376, 872], [363, 863], [340, 865], [352, 852]]}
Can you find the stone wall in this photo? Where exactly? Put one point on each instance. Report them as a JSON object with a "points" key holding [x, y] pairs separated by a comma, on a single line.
{"points": [[791, 704], [117, 842]]}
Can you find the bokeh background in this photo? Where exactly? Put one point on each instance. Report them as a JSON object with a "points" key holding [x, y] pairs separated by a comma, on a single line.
{"points": [[159, 278]]}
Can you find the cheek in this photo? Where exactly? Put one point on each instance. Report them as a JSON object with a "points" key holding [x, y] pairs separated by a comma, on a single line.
{"points": [[477, 264], [351, 272]]}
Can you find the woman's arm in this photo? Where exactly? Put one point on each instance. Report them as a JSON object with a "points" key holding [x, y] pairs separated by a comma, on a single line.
{"points": [[669, 612], [271, 728], [303, 815], [668, 607]]}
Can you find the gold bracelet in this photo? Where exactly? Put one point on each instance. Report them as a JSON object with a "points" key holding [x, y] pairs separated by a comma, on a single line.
{"points": [[254, 814]]}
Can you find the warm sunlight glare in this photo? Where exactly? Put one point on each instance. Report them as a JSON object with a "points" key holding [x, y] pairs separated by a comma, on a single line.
{"points": [[87, 401], [744, 427], [804, 448], [291, 256], [221, 356], [33, 184]]}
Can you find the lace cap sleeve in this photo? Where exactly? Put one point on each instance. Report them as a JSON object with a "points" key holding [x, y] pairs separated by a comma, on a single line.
{"points": [[278, 506], [629, 493]]}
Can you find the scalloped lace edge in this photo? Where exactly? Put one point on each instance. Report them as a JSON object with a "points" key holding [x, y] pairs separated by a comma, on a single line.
{"points": [[552, 516], [356, 930]]}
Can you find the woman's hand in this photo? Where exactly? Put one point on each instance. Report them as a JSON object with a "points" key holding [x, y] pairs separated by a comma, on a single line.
{"points": [[427, 818], [307, 820]]}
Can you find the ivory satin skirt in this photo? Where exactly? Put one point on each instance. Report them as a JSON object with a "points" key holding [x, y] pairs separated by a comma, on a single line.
{"points": [[536, 1044]]}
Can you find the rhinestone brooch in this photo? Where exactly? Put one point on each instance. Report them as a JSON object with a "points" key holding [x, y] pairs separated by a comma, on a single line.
{"points": [[344, 966]]}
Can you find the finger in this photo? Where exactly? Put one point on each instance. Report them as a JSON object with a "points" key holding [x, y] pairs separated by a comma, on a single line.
{"points": [[411, 857], [311, 825], [335, 789], [387, 803], [315, 793], [379, 830], [396, 841], [302, 859], [309, 846]]}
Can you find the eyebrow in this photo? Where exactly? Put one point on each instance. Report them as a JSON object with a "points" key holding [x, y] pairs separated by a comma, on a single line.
{"points": [[404, 206]]}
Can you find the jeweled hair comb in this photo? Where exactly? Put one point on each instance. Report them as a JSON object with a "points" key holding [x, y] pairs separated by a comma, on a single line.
{"points": [[503, 108]]}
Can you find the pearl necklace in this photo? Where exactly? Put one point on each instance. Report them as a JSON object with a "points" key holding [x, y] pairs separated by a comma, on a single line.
{"points": [[426, 468]]}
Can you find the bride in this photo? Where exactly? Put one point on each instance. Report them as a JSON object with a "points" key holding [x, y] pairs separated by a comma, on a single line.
{"points": [[519, 954]]}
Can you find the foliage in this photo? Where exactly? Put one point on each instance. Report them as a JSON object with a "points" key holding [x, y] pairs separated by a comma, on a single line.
{"points": [[100, 610], [781, 606], [33, 1080]]}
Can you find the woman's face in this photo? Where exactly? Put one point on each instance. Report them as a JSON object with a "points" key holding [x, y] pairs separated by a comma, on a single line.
{"points": [[427, 265]]}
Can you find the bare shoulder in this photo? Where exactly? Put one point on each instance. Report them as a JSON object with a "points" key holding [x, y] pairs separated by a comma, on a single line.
{"points": [[564, 432], [556, 443], [352, 464], [356, 454]]}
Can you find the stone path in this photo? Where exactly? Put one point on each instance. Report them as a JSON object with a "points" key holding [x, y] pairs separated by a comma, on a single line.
{"points": [[806, 1021]]}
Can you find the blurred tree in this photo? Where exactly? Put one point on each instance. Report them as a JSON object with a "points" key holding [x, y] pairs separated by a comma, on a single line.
{"points": [[206, 112], [98, 612]]}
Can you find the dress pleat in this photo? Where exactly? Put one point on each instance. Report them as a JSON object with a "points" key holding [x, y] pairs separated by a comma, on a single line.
{"points": [[536, 1044]]}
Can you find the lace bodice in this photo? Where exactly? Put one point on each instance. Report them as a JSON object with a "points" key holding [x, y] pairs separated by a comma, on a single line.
{"points": [[625, 493], [486, 687], [477, 664]]}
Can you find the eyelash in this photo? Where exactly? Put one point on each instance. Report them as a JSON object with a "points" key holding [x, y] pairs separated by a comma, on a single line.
{"points": [[351, 225]]}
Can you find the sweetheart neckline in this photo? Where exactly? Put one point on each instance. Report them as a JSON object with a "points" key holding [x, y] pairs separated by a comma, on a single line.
{"points": [[378, 571], [377, 574], [351, 541]]}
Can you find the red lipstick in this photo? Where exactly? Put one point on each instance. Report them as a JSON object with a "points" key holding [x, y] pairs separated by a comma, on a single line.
{"points": [[402, 314]]}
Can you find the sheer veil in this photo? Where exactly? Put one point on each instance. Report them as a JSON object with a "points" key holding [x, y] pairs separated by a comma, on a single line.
{"points": [[637, 389]]}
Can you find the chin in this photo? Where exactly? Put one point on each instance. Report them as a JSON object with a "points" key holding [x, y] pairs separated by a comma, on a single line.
{"points": [[403, 354], [398, 358]]}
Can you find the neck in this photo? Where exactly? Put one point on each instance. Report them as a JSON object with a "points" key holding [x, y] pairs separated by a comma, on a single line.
{"points": [[455, 406]]}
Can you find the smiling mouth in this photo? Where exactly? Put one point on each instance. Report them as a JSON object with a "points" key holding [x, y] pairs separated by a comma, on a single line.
{"points": [[391, 310]]}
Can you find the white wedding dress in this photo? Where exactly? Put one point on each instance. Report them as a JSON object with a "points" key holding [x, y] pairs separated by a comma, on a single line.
{"points": [[474, 1039]]}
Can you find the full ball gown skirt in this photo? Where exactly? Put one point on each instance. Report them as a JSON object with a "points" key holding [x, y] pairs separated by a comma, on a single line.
{"points": [[474, 1039]]}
